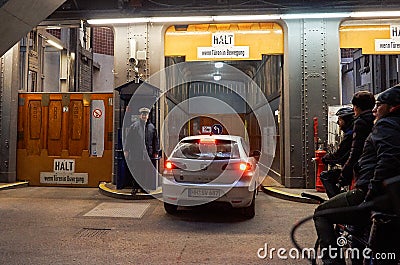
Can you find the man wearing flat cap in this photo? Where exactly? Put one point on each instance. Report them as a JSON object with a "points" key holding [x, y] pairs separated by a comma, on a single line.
{"points": [[144, 110], [379, 161], [142, 151]]}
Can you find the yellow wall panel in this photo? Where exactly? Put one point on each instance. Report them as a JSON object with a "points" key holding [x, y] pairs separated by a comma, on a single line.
{"points": [[363, 36], [262, 38]]}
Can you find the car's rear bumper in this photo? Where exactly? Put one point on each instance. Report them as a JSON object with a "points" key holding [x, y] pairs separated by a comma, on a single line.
{"points": [[239, 195]]}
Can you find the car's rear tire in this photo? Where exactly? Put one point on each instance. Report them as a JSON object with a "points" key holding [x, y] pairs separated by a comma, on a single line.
{"points": [[250, 211], [170, 208]]}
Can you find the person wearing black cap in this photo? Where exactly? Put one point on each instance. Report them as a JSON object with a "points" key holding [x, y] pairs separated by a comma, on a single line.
{"points": [[380, 160], [330, 178], [384, 141], [142, 147], [363, 103]]}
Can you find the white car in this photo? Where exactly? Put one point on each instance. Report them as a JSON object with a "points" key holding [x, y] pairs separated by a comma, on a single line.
{"points": [[204, 168]]}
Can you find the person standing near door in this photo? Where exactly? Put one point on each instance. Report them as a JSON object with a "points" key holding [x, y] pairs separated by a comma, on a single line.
{"points": [[141, 151]]}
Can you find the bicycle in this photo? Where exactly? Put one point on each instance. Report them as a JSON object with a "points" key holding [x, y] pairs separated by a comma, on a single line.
{"points": [[346, 235]]}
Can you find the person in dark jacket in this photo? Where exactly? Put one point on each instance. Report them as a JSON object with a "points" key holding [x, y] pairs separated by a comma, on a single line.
{"points": [[151, 141], [380, 160], [330, 178], [141, 150], [363, 103]]}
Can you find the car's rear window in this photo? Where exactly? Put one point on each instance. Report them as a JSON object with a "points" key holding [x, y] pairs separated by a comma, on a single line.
{"points": [[207, 149]]}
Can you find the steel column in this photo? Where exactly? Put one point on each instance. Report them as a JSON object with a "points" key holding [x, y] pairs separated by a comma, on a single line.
{"points": [[9, 84], [311, 84]]}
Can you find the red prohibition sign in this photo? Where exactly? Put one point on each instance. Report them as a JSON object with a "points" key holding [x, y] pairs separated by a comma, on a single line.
{"points": [[97, 113]]}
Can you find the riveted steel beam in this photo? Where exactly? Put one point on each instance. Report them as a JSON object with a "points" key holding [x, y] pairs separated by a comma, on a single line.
{"points": [[9, 84], [311, 84]]}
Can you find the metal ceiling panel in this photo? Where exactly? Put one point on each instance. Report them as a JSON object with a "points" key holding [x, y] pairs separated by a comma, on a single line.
{"points": [[18, 17], [85, 9]]}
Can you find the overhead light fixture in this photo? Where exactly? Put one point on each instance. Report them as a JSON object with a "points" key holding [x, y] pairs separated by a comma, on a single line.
{"points": [[376, 14], [53, 27], [55, 44], [106, 21], [50, 39], [180, 19], [218, 65], [149, 20], [245, 18], [209, 19], [217, 77], [314, 15]]}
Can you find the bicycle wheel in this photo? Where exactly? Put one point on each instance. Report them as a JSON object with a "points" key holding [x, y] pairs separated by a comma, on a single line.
{"points": [[311, 256], [316, 249]]}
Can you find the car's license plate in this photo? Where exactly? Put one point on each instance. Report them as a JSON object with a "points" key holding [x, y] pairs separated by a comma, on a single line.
{"points": [[211, 193]]}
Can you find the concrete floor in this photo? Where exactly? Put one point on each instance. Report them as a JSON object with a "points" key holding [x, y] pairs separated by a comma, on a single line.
{"points": [[45, 225]]}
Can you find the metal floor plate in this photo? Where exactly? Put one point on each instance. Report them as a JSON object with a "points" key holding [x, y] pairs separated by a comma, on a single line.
{"points": [[110, 209]]}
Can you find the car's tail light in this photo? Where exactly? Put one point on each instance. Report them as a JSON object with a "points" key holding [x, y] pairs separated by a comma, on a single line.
{"points": [[174, 165], [246, 169], [207, 141], [235, 166], [169, 165], [244, 166]]}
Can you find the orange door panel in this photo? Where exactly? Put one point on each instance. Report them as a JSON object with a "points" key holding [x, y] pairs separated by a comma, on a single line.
{"points": [[55, 127], [34, 127]]}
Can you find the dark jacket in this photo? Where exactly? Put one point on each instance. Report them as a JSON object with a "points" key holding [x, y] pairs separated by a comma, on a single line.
{"points": [[380, 159], [342, 153], [135, 141], [142, 141], [362, 128], [152, 143]]}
